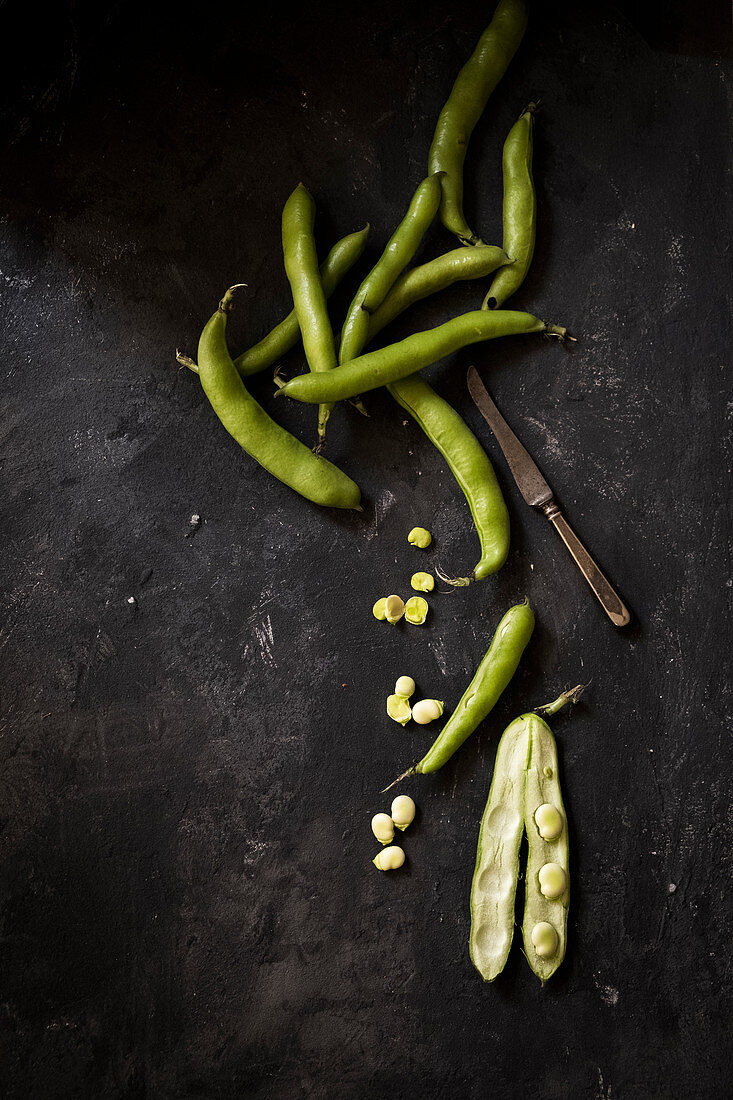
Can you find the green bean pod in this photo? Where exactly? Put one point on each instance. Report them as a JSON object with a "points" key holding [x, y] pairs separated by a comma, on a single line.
{"points": [[272, 446], [385, 365], [284, 336], [543, 788], [459, 265], [494, 885], [400, 249], [309, 300], [465, 104], [525, 778], [469, 465], [519, 210], [491, 677]]}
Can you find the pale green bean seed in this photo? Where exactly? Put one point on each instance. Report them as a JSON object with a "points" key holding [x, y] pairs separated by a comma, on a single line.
{"points": [[398, 709], [394, 609], [553, 880], [405, 686], [427, 710], [548, 821], [379, 611], [545, 939], [422, 582], [403, 811], [416, 610], [421, 537], [389, 859], [383, 828]]}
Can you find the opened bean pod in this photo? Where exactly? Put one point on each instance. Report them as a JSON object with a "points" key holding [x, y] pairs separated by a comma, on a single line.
{"points": [[524, 797], [272, 446]]}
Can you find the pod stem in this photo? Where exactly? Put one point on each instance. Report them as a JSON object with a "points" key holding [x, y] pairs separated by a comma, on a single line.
{"points": [[186, 361], [227, 302], [560, 332], [456, 582], [570, 696], [410, 771]]}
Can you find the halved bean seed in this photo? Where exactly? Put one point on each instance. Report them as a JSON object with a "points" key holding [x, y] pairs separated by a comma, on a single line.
{"points": [[394, 609], [422, 582], [398, 709], [420, 536], [379, 611], [416, 610]]}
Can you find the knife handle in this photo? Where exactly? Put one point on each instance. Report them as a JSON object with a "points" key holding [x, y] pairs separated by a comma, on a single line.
{"points": [[610, 600]]}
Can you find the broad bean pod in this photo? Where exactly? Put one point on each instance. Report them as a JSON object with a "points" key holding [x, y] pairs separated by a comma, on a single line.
{"points": [[388, 364], [271, 445], [491, 677], [309, 300], [459, 265], [284, 336], [465, 104], [469, 465], [400, 249], [525, 779], [519, 210]]}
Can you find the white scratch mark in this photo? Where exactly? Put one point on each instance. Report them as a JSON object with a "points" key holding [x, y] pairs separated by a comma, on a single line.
{"points": [[265, 640]]}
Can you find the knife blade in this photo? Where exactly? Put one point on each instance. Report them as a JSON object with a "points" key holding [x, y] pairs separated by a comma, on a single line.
{"points": [[538, 494]]}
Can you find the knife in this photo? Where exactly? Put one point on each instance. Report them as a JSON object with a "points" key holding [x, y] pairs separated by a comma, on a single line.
{"points": [[538, 494]]}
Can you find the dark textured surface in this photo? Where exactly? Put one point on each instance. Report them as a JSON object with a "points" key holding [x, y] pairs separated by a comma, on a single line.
{"points": [[188, 906]]}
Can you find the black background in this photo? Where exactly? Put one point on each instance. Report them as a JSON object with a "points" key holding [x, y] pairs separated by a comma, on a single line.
{"points": [[188, 904]]}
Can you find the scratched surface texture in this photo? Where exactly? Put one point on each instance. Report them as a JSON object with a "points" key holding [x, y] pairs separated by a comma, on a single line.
{"points": [[193, 733]]}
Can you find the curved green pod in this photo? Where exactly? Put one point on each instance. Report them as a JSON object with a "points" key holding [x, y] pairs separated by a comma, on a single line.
{"points": [[469, 465], [268, 443], [525, 779], [284, 336], [519, 210], [388, 364], [397, 254], [464, 107], [491, 677], [309, 300], [458, 265]]}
